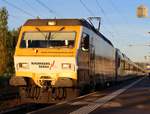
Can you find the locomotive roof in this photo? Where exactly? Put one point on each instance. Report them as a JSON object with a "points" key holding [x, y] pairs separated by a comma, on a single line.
{"points": [[65, 22]]}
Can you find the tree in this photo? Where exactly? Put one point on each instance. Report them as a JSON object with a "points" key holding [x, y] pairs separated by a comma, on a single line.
{"points": [[3, 39], [12, 38]]}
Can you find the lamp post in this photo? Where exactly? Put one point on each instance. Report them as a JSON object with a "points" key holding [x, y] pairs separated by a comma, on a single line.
{"points": [[142, 11]]}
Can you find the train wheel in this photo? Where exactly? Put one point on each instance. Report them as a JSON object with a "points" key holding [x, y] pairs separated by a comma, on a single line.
{"points": [[32, 92], [64, 93], [55, 93], [22, 92], [38, 91], [60, 95], [28, 91]]}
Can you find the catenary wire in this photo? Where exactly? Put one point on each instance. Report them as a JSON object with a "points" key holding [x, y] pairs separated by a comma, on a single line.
{"points": [[89, 11], [105, 15], [18, 8], [46, 7]]}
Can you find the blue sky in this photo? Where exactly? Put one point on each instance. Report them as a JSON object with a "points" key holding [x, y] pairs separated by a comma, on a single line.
{"points": [[119, 21]]}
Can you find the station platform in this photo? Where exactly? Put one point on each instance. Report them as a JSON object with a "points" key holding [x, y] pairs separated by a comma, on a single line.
{"points": [[129, 97]]}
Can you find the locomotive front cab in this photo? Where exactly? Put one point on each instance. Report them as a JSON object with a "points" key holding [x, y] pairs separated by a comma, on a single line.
{"points": [[46, 53]]}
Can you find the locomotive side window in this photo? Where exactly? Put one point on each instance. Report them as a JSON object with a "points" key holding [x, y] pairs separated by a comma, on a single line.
{"points": [[85, 42]]}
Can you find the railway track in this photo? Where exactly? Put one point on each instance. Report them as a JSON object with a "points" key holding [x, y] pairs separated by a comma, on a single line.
{"points": [[10, 102], [8, 94], [30, 107], [24, 108]]}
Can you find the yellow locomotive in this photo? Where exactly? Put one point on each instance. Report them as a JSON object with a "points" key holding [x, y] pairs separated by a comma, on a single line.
{"points": [[56, 59]]}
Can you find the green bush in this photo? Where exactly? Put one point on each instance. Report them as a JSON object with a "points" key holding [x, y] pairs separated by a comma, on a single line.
{"points": [[4, 81]]}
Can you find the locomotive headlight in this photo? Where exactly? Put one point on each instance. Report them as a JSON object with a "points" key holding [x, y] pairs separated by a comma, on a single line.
{"points": [[66, 66], [51, 23], [23, 65]]}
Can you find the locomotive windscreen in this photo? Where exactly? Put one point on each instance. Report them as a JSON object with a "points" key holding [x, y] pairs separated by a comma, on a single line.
{"points": [[48, 39]]}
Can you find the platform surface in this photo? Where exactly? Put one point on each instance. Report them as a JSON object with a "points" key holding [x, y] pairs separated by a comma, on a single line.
{"points": [[132, 97]]}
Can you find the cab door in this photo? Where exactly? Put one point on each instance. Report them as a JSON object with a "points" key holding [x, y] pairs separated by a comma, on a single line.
{"points": [[84, 59], [92, 59], [88, 50]]}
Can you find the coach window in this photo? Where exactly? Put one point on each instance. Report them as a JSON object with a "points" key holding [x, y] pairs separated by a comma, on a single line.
{"points": [[85, 42]]}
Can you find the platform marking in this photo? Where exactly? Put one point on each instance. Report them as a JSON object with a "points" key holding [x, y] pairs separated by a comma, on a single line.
{"points": [[63, 102], [101, 101], [79, 103]]}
